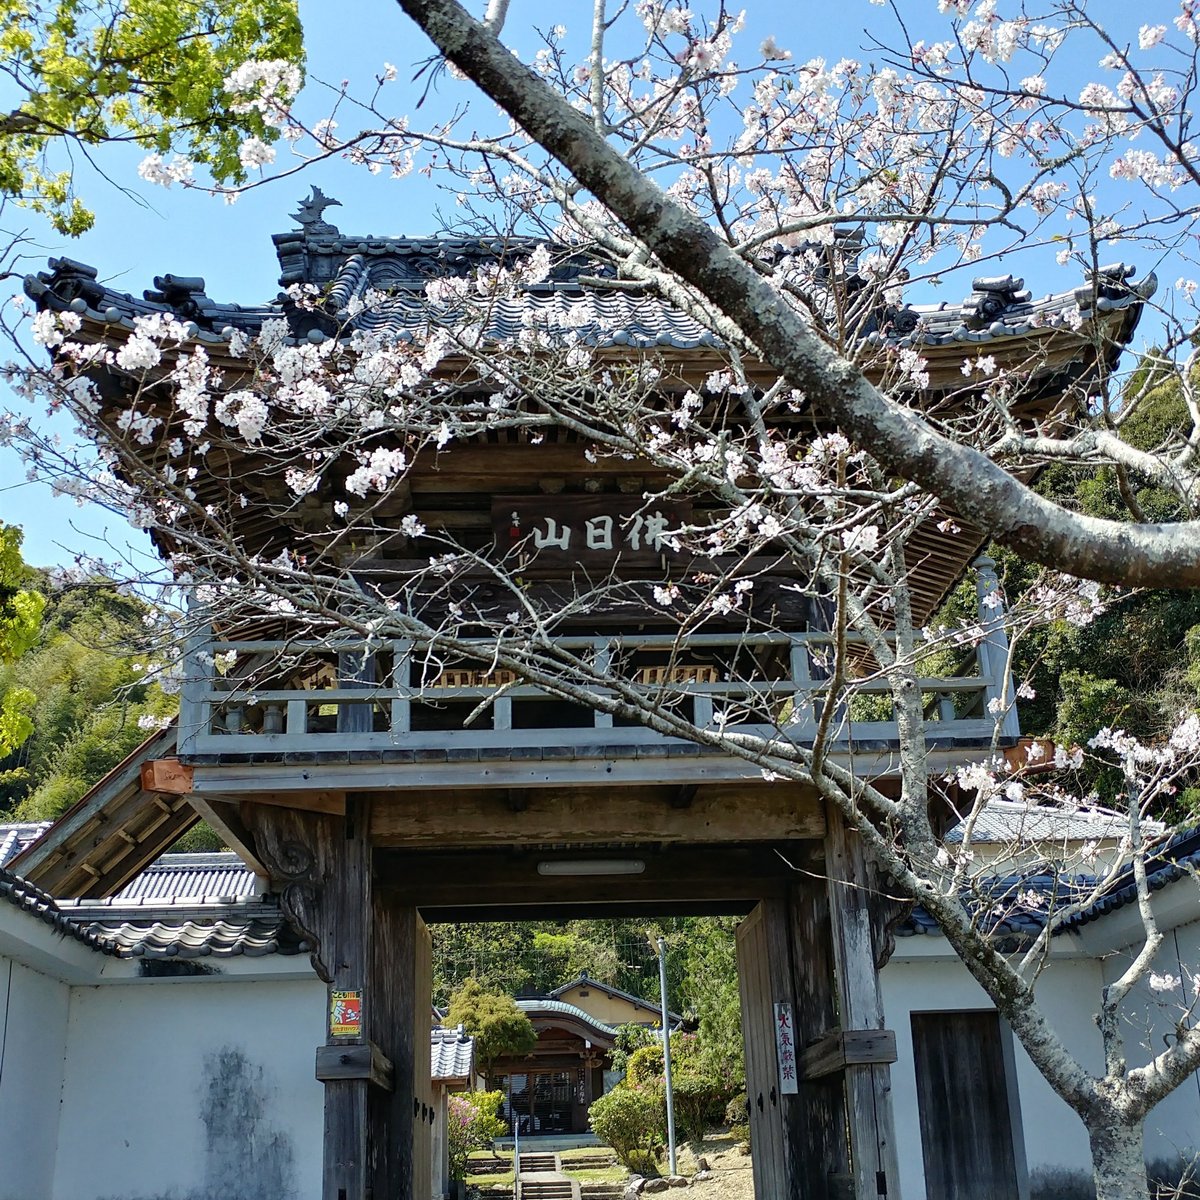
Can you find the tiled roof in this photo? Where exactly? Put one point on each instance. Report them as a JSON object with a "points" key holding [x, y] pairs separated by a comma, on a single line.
{"points": [[31, 899], [584, 980], [1011, 821], [169, 912], [451, 1054], [179, 877], [15, 836], [533, 1008], [346, 268], [253, 930], [1179, 857], [1020, 905]]}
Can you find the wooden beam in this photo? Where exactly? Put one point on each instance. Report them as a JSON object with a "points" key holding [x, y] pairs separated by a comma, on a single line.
{"points": [[331, 802], [356, 1062], [844, 1048], [227, 823], [818, 1143], [874, 1161], [481, 817], [167, 775], [500, 877]]}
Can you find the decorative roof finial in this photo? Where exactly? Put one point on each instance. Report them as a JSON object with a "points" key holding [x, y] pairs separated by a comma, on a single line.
{"points": [[310, 215]]}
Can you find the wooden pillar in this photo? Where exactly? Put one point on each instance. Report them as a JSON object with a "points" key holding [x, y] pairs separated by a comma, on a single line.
{"points": [[400, 1121], [818, 1140], [374, 957], [348, 950], [869, 1120]]}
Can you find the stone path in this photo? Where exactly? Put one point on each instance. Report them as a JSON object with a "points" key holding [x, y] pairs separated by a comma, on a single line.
{"points": [[540, 1179]]}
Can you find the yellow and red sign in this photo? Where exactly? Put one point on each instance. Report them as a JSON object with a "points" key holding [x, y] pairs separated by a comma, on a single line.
{"points": [[345, 1014]]}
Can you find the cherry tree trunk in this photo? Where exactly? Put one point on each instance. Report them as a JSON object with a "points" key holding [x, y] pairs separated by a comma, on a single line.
{"points": [[1119, 1161]]}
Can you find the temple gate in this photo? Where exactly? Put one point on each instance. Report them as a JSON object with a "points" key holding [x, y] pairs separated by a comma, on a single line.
{"points": [[379, 784]]}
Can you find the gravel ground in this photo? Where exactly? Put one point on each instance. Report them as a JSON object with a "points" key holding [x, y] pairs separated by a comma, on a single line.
{"points": [[732, 1178]]}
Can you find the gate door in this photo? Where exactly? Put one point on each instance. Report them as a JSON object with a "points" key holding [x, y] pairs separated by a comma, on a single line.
{"points": [[762, 1067], [962, 1096]]}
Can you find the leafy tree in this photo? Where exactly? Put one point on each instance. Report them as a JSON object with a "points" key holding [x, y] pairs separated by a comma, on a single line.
{"points": [[710, 989], [630, 1039], [493, 1019], [89, 697], [20, 617], [150, 72]]}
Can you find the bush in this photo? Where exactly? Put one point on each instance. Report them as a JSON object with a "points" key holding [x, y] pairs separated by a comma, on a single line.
{"points": [[699, 1103], [644, 1067], [473, 1122], [700, 1093], [737, 1111], [631, 1120]]}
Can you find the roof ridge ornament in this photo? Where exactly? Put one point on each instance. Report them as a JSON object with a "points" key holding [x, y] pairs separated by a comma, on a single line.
{"points": [[990, 297], [311, 219]]}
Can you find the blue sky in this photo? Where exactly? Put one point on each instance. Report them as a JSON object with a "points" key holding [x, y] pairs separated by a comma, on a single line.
{"points": [[143, 231]]}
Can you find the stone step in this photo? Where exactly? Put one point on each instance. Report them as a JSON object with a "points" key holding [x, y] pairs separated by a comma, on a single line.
{"points": [[537, 1162]]}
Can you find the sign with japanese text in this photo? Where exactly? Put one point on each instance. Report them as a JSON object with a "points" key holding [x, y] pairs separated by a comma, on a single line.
{"points": [[345, 1014], [785, 1046], [589, 529]]}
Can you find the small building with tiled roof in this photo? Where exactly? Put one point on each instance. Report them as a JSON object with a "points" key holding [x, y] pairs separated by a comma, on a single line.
{"points": [[451, 1069], [549, 1090], [611, 1004]]}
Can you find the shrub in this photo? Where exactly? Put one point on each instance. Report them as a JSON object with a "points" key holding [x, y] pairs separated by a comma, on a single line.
{"points": [[644, 1067], [630, 1120], [699, 1103], [473, 1122], [737, 1111]]}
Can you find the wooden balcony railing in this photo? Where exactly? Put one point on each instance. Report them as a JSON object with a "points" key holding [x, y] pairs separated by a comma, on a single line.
{"points": [[273, 697]]}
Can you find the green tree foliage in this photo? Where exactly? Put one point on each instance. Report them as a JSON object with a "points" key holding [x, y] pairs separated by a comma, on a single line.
{"points": [[631, 1038], [493, 1019], [1137, 666], [92, 699], [533, 958], [709, 988], [701, 1089], [150, 72], [21, 607], [632, 1121], [473, 1123]]}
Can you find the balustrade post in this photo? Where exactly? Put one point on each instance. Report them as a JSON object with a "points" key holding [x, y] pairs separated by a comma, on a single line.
{"points": [[195, 711], [602, 651], [356, 668], [401, 717], [992, 651]]}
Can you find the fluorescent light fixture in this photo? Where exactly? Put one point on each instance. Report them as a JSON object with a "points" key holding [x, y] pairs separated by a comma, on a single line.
{"points": [[592, 866]]}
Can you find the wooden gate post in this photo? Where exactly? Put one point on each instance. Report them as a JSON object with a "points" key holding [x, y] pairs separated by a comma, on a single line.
{"points": [[400, 1118], [874, 1166], [367, 951], [819, 1150], [346, 1063]]}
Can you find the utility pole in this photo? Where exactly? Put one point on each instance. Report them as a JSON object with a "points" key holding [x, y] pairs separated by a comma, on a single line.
{"points": [[666, 1031]]}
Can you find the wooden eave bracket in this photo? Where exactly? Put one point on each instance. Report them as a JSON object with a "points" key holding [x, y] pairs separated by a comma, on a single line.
{"points": [[166, 775], [844, 1048], [360, 1061]]}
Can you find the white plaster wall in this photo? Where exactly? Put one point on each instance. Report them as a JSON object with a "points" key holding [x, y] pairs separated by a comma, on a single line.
{"points": [[33, 1037], [1054, 1135], [1173, 1127], [192, 1090]]}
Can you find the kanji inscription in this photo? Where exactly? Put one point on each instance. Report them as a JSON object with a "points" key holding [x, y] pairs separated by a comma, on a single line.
{"points": [[591, 529]]}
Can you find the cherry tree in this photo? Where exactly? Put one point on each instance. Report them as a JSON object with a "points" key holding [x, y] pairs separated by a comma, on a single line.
{"points": [[791, 211]]}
